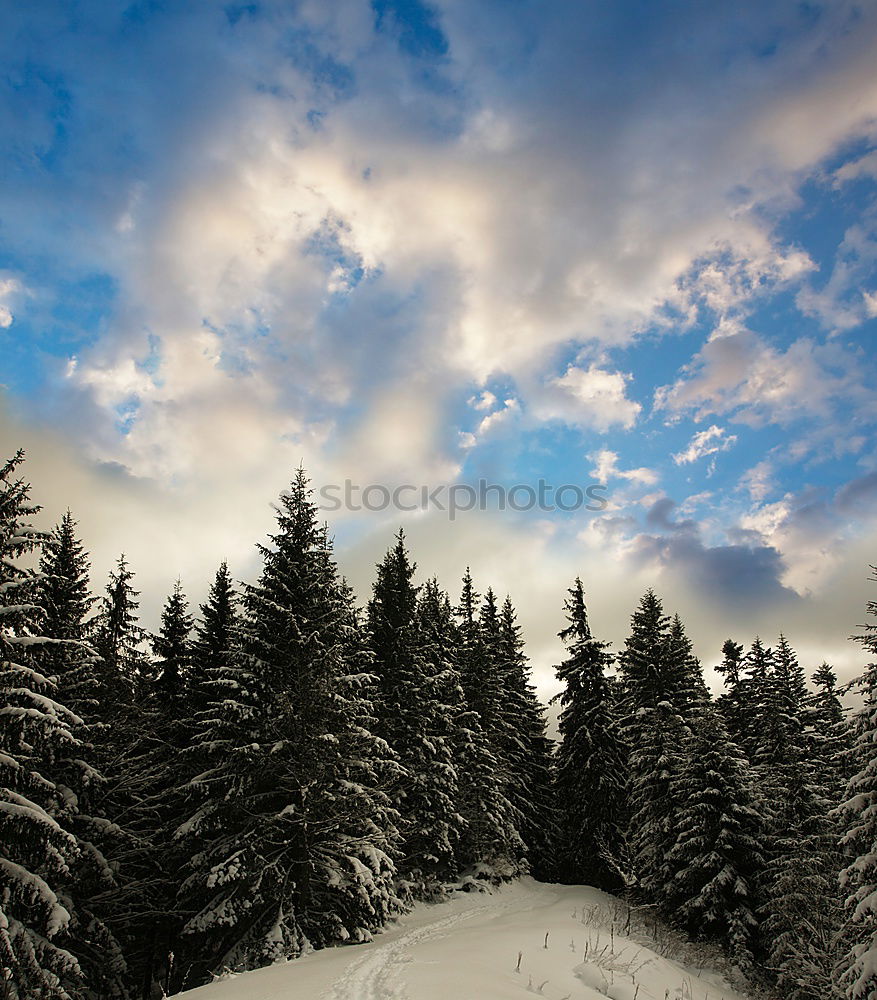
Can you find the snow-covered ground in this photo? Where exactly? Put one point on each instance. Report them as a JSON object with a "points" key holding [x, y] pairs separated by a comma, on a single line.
{"points": [[469, 947]]}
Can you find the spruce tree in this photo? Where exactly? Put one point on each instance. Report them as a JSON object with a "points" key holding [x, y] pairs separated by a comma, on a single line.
{"points": [[492, 847], [858, 969], [64, 596], [692, 691], [131, 742], [532, 752], [731, 702], [436, 624], [717, 855], [37, 853], [756, 671], [657, 690], [297, 839], [215, 636], [118, 638], [829, 732], [66, 600], [173, 653], [591, 758], [413, 717]]}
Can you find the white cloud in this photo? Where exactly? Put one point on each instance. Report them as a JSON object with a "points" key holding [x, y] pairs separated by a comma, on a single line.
{"points": [[864, 166], [9, 289], [509, 409], [606, 468], [738, 374], [759, 480], [486, 401], [589, 397], [707, 442], [844, 302]]}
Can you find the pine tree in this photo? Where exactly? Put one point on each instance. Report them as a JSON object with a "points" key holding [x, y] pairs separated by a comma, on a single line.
{"points": [[296, 842], [67, 602], [657, 690], [649, 675], [829, 732], [532, 752], [416, 721], [173, 652], [803, 906], [63, 594], [37, 853], [731, 702], [858, 970], [717, 854], [754, 698], [692, 691], [492, 847], [214, 639], [219, 721], [591, 758], [131, 741], [118, 639]]}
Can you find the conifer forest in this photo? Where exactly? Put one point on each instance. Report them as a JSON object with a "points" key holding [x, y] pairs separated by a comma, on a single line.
{"points": [[282, 770]]}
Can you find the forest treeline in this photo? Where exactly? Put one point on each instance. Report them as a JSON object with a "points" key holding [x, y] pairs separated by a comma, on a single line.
{"points": [[283, 770]]}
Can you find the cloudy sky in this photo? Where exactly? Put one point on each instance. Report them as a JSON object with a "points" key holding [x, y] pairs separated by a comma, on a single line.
{"points": [[630, 243]]}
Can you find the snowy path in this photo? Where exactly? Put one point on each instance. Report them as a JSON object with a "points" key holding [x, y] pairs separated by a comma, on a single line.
{"points": [[378, 974], [467, 949]]}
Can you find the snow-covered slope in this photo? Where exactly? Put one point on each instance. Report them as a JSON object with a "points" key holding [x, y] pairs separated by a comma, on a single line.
{"points": [[468, 949]]}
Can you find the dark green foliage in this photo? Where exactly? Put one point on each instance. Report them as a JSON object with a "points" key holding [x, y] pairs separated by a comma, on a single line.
{"points": [[37, 853], [649, 675], [173, 654], [118, 638], [417, 703], [531, 752], [717, 856], [294, 842], [858, 969], [492, 844], [74, 666], [591, 758]]}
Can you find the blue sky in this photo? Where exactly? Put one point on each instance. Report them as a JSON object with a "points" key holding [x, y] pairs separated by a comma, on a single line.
{"points": [[632, 244]]}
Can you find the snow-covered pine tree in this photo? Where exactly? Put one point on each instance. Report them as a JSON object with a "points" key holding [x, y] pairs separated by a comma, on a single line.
{"points": [[220, 722], [36, 853], [591, 772], [656, 664], [493, 700], [414, 718], [116, 634], [656, 694], [756, 670], [297, 849], [731, 702], [829, 732], [172, 648], [802, 910], [154, 803], [64, 596], [857, 973], [135, 760], [717, 855], [532, 756], [66, 601], [215, 637], [693, 692], [491, 846]]}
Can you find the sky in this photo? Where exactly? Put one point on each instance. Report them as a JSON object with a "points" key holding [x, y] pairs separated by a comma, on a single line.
{"points": [[628, 245]]}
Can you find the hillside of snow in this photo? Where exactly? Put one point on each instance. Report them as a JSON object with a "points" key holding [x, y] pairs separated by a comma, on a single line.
{"points": [[525, 939]]}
